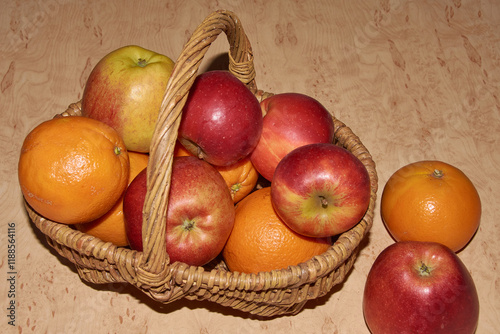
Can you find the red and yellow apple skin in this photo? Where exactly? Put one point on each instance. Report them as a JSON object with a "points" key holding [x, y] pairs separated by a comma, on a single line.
{"points": [[320, 190], [200, 213], [290, 120], [221, 120], [420, 287], [125, 90]]}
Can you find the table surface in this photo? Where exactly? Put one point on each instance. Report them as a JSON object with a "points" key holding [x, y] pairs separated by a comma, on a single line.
{"points": [[414, 80]]}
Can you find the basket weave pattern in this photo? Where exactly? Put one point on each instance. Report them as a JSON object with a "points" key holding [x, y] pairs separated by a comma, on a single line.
{"points": [[278, 292]]}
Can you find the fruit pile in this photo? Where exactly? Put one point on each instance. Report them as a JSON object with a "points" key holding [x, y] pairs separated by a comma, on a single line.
{"points": [[260, 184]]}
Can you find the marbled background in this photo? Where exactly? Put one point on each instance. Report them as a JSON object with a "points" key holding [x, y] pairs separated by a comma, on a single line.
{"points": [[414, 80]]}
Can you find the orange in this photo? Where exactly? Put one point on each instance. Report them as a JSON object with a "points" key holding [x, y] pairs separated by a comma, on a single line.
{"points": [[73, 169], [111, 226], [431, 201], [240, 178], [260, 241], [181, 151]]}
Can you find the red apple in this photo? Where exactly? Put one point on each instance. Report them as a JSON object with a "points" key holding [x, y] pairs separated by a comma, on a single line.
{"points": [[290, 120], [221, 121], [320, 190], [200, 213], [420, 287], [125, 90]]}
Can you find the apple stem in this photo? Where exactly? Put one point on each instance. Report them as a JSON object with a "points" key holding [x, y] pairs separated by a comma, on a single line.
{"points": [[200, 154], [437, 173], [424, 270], [324, 202], [142, 62], [235, 187], [188, 224]]}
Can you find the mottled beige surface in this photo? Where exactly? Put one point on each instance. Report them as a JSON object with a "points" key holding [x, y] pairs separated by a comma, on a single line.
{"points": [[414, 79]]}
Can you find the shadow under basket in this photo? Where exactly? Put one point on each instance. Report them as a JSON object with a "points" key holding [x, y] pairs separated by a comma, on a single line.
{"points": [[272, 293]]}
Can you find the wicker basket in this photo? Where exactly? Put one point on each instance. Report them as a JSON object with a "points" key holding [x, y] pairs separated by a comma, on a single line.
{"points": [[278, 292]]}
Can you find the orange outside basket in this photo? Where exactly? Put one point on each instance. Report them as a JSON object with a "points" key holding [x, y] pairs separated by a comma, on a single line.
{"points": [[273, 293]]}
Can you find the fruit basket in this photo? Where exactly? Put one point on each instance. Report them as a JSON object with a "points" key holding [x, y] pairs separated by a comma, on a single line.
{"points": [[272, 293]]}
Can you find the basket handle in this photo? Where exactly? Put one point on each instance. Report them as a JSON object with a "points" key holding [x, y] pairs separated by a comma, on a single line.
{"points": [[153, 268]]}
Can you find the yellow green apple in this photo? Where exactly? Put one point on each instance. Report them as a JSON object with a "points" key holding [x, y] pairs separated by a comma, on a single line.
{"points": [[125, 90]]}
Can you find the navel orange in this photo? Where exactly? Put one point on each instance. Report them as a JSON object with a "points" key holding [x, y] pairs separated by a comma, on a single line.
{"points": [[240, 177], [431, 201], [260, 241], [73, 169], [111, 226]]}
